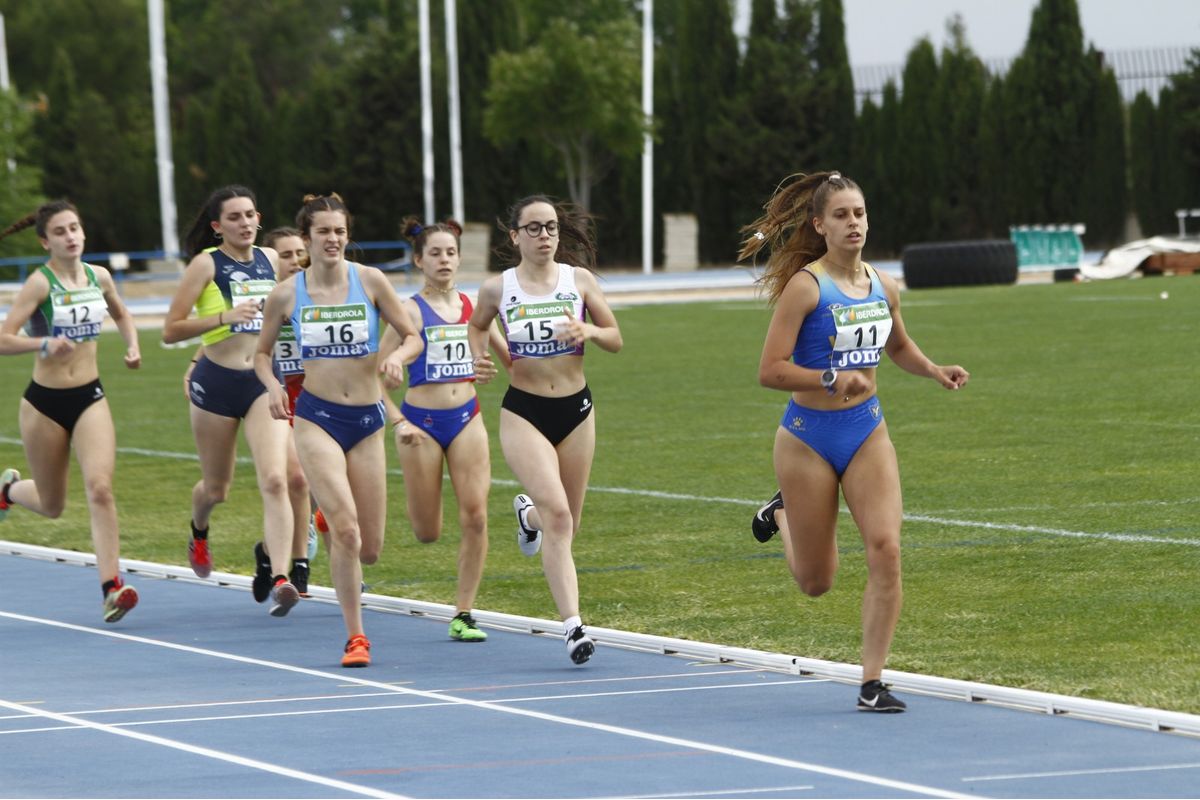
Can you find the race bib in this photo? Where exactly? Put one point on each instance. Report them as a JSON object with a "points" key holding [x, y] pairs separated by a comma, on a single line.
{"points": [[287, 352], [255, 289], [862, 331], [447, 354], [532, 327], [334, 331], [78, 313]]}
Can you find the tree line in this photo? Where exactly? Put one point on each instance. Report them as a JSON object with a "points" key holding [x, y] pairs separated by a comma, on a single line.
{"points": [[298, 96]]}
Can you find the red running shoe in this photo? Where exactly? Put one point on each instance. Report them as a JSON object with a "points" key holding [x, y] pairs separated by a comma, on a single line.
{"points": [[199, 557]]}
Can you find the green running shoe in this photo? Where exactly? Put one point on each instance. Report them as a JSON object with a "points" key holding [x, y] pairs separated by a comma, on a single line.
{"points": [[463, 628]]}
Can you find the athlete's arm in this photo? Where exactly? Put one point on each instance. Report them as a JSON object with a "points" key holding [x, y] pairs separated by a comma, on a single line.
{"points": [[176, 326], [603, 329], [32, 294], [121, 316], [905, 354]]}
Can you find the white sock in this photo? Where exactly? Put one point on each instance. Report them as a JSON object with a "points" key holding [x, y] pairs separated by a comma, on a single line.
{"points": [[570, 624]]}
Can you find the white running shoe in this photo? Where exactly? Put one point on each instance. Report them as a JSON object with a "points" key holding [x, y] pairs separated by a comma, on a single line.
{"points": [[528, 539], [580, 646], [11, 476]]}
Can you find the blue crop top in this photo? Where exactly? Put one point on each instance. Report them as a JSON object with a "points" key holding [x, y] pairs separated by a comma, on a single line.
{"points": [[843, 332], [349, 329]]}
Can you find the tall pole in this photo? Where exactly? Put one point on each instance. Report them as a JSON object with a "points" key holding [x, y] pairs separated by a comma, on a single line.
{"points": [[648, 142], [456, 166], [162, 129], [4, 85], [426, 109]]}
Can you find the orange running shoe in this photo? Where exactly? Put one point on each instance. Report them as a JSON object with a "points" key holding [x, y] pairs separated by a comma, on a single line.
{"points": [[358, 652], [319, 520]]}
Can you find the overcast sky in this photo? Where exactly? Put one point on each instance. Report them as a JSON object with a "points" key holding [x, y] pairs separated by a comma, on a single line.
{"points": [[883, 31]]}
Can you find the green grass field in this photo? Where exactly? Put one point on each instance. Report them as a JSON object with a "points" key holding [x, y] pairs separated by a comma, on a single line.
{"points": [[1051, 543]]}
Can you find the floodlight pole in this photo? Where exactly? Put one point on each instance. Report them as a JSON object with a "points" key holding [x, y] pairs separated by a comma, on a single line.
{"points": [[162, 129], [4, 85], [456, 166], [426, 108], [648, 141]]}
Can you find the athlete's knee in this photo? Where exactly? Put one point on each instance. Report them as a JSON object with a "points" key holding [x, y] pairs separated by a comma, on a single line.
{"points": [[99, 492], [214, 493], [368, 554], [883, 561], [473, 520], [427, 532], [813, 584], [557, 519], [274, 484], [53, 507], [297, 484], [346, 535]]}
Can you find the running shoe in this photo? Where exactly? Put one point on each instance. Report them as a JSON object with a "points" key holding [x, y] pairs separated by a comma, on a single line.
{"points": [[358, 652], [285, 596], [299, 576], [119, 601], [314, 541], [763, 526], [7, 479], [580, 646], [874, 696], [319, 521], [262, 584], [463, 628], [200, 557], [528, 539]]}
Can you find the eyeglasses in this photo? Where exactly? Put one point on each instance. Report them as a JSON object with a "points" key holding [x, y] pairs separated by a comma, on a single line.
{"points": [[536, 228]]}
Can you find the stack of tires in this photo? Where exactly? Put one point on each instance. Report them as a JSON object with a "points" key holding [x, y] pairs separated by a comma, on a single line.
{"points": [[959, 263]]}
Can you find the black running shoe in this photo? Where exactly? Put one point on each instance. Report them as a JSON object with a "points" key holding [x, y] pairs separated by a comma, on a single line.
{"points": [[299, 575], [874, 696], [580, 646], [763, 526], [262, 584]]}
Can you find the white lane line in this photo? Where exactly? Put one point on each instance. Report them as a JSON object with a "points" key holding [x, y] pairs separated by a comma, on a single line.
{"points": [[694, 498], [1067, 773], [447, 701], [737, 792], [1108, 537], [356, 695], [786, 763], [207, 752]]}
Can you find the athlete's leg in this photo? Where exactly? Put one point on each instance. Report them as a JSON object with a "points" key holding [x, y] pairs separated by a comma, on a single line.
{"points": [[48, 452], [326, 467], [471, 474], [808, 526], [535, 463], [95, 444], [268, 439], [216, 446], [297, 489], [422, 465], [871, 486]]}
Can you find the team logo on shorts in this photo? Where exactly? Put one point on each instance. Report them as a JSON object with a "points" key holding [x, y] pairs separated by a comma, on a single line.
{"points": [[797, 424], [875, 411]]}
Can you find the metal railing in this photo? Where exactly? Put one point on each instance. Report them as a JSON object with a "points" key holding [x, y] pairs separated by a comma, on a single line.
{"points": [[119, 261]]}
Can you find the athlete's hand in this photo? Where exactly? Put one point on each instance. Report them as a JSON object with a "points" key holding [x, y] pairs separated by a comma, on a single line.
{"points": [[485, 368], [133, 358], [241, 313], [573, 332], [277, 402], [409, 435], [851, 383], [952, 377], [59, 346], [392, 369]]}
